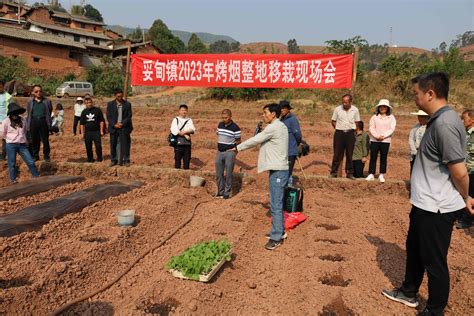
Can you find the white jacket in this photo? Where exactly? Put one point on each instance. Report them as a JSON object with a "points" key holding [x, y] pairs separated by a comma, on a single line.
{"points": [[273, 154]]}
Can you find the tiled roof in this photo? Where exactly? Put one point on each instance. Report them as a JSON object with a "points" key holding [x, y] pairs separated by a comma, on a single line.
{"points": [[27, 35], [69, 30], [74, 17]]}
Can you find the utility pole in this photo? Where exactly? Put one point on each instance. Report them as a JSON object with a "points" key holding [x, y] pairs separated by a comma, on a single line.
{"points": [[391, 37], [127, 72]]}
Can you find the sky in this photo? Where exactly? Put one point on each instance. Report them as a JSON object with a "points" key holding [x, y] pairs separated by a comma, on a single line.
{"points": [[418, 23]]}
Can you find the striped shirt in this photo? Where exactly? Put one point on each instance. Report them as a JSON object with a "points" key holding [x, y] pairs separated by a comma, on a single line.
{"points": [[227, 136]]}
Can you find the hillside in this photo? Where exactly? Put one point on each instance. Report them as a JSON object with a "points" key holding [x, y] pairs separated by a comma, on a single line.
{"points": [[207, 38]]}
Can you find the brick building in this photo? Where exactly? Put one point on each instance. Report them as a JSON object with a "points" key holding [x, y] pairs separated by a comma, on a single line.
{"points": [[59, 41]]}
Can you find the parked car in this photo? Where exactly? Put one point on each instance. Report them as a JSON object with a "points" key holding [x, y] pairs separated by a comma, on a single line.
{"points": [[75, 89]]}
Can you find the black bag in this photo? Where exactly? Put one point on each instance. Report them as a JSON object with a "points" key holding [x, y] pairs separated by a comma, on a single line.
{"points": [[173, 139], [293, 199]]}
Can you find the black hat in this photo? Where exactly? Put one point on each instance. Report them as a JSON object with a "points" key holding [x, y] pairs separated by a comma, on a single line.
{"points": [[14, 108], [285, 104]]}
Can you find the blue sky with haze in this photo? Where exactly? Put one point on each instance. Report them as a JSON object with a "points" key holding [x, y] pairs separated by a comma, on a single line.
{"points": [[419, 23]]}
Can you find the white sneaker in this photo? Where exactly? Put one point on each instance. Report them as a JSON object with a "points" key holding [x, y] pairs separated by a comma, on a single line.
{"points": [[370, 177], [381, 178]]}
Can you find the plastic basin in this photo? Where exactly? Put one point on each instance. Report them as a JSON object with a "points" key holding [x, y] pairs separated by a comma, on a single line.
{"points": [[196, 181], [126, 217]]}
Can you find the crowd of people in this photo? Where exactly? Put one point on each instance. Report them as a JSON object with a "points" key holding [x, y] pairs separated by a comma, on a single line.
{"points": [[441, 160]]}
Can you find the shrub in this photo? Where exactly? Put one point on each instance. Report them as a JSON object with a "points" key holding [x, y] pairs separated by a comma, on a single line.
{"points": [[105, 77], [12, 69]]}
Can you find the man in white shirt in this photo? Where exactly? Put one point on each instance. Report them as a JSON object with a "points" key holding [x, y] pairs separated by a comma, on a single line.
{"points": [[344, 121], [78, 108], [183, 127]]}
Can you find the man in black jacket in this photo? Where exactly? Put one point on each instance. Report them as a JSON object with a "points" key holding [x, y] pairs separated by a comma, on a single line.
{"points": [[38, 123], [119, 118]]}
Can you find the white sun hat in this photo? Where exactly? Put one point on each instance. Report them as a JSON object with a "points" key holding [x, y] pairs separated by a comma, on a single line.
{"points": [[384, 102], [79, 99], [420, 113]]}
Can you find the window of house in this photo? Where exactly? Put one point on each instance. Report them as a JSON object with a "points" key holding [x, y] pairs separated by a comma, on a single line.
{"points": [[83, 26], [36, 59], [77, 38], [96, 41], [95, 28], [71, 55]]}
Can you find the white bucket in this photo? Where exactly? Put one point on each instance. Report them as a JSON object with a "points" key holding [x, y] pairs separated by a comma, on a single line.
{"points": [[196, 181], [126, 217]]}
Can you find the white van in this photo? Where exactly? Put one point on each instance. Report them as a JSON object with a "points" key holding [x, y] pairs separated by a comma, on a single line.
{"points": [[75, 89]]}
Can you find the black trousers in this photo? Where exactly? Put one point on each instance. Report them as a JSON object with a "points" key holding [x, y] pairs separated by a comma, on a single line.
{"points": [[358, 168], [427, 244], [343, 142], [75, 123], [375, 149], [125, 143], [183, 153], [291, 164], [89, 138], [39, 132]]}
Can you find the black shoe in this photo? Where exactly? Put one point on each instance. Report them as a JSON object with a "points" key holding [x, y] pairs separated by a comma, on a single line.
{"points": [[272, 244], [113, 163], [425, 312], [226, 196], [47, 159], [398, 296], [285, 235], [332, 175], [99, 160], [126, 163], [90, 161], [350, 177]]}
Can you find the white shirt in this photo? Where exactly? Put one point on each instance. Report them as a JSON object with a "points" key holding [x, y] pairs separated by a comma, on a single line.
{"points": [[78, 108], [346, 119], [175, 126]]}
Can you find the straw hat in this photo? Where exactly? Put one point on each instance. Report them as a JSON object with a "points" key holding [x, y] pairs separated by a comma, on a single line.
{"points": [[419, 113], [384, 102]]}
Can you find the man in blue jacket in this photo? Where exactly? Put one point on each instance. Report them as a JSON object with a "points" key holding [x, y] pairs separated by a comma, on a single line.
{"points": [[294, 135]]}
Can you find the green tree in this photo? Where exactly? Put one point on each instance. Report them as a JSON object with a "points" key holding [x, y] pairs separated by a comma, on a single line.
{"points": [[462, 40], [293, 47], [105, 77], [162, 37], [136, 35], [77, 10], [92, 13], [220, 47], [234, 47], [12, 69], [195, 45], [442, 47], [346, 46]]}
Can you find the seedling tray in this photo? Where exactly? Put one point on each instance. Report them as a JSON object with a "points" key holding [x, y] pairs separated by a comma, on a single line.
{"points": [[202, 277]]}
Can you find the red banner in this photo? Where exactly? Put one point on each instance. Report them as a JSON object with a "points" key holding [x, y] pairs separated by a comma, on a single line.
{"points": [[243, 70]]}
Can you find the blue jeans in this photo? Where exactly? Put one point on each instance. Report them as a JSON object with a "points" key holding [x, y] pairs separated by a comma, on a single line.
{"points": [[278, 180], [22, 149]]}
